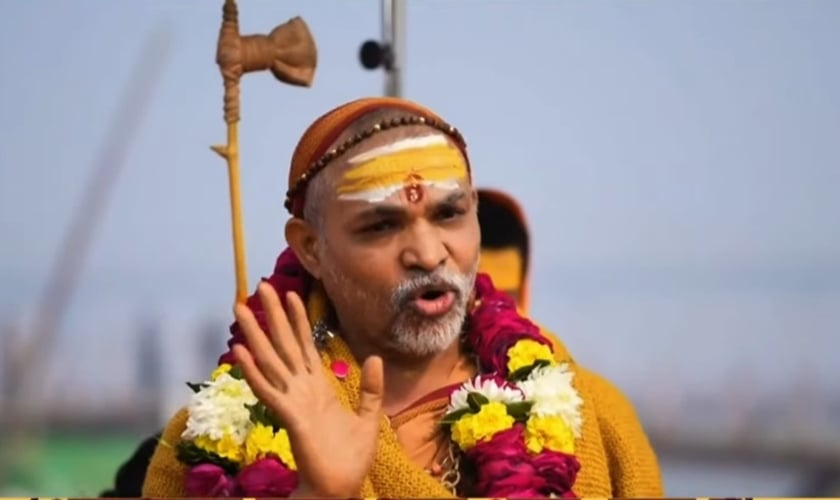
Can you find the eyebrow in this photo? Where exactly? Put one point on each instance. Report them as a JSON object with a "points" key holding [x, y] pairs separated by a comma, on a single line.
{"points": [[453, 198], [389, 210]]}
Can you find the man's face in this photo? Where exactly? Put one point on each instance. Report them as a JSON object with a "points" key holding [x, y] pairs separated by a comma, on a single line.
{"points": [[400, 243]]}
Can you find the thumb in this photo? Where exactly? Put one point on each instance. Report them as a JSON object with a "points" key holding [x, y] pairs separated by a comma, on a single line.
{"points": [[372, 388]]}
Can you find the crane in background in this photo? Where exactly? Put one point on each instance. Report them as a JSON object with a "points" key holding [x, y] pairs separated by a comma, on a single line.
{"points": [[22, 425]]}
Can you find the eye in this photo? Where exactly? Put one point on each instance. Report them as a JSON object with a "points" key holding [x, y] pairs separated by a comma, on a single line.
{"points": [[449, 212], [379, 227]]}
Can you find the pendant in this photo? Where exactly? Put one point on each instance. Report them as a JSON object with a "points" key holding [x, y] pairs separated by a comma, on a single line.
{"points": [[320, 333]]}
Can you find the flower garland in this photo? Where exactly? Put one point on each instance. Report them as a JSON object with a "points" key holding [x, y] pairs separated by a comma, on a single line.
{"points": [[515, 423], [232, 444]]}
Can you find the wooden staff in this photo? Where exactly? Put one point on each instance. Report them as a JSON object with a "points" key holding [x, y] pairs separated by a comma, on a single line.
{"points": [[289, 53]]}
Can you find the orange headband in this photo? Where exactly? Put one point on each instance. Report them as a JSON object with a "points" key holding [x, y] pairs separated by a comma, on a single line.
{"points": [[311, 154]]}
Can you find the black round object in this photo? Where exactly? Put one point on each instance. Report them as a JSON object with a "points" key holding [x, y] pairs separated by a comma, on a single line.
{"points": [[371, 54]]}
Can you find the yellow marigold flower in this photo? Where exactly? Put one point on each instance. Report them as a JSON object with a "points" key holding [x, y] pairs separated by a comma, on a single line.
{"points": [[475, 427], [550, 432], [527, 352], [204, 443], [258, 442], [220, 370], [227, 447], [262, 441]]}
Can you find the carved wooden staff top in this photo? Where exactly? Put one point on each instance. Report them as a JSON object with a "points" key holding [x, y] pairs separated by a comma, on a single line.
{"points": [[290, 54]]}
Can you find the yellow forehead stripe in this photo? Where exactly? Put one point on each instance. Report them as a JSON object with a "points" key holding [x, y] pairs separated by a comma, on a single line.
{"points": [[430, 164], [504, 267]]}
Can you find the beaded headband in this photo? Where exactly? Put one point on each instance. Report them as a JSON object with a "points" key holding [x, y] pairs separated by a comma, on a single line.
{"points": [[299, 187]]}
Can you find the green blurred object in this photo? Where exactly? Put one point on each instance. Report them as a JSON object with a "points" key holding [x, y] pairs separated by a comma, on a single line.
{"points": [[67, 465]]}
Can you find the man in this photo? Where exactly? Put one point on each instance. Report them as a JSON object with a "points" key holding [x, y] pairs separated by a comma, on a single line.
{"points": [[378, 284], [505, 253], [505, 244]]}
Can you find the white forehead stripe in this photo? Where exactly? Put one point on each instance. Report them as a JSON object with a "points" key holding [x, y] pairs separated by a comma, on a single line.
{"points": [[378, 195], [401, 145]]}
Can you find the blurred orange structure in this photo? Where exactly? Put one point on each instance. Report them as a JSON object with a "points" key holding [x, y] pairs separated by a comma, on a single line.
{"points": [[505, 244]]}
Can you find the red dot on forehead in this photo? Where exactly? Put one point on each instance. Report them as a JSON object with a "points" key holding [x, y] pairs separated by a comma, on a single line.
{"points": [[413, 188], [414, 194]]}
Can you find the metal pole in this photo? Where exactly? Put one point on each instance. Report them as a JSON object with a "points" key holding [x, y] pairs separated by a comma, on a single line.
{"points": [[393, 40]]}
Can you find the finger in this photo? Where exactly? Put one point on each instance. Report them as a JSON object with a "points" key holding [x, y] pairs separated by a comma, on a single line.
{"points": [[260, 386], [302, 329], [260, 348], [282, 337], [372, 388]]}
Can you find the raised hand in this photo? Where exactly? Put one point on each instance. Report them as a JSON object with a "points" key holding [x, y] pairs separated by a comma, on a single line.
{"points": [[333, 447]]}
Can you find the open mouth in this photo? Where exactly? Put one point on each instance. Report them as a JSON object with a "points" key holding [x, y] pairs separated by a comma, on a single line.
{"points": [[432, 294], [434, 301]]}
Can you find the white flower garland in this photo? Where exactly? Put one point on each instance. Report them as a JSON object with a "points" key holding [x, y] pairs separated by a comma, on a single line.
{"points": [[220, 408]]}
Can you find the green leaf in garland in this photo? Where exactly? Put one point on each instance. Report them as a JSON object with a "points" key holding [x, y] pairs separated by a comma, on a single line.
{"points": [[236, 372], [452, 417], [260, 414], [190, 454], [476, 401], [257, 414], [276, 425], [520, 410], [196, 387], [523, 373]]}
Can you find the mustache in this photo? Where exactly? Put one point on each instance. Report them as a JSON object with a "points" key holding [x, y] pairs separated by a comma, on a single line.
{"points": [[444, 279]]}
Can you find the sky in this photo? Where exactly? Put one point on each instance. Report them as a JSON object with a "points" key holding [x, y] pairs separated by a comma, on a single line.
{"points": [[678, 162]]}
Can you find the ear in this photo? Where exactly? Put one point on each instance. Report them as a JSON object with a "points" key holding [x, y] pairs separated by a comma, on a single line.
{"points": [[303, 240]]}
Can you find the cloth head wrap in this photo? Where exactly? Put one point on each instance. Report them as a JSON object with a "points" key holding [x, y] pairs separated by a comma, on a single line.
{"points": [[316, 148]]}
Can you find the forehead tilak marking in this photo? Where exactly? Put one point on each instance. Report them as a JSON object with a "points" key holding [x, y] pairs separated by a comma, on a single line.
{"points": [[407, 164]]}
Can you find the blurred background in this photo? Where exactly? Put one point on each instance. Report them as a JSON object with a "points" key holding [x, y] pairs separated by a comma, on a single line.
{"points": [[678, 161]]}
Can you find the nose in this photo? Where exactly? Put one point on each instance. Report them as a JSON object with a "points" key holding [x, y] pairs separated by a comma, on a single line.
{"points": [[424, 250]]}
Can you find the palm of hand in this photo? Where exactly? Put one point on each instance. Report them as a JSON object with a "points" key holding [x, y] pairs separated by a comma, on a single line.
{"points": [[333, 446], [337, 448]]}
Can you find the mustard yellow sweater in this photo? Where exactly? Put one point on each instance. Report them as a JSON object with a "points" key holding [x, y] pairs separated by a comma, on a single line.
{"points": [[616, 458]]}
